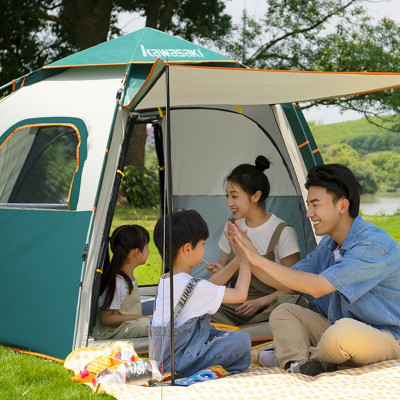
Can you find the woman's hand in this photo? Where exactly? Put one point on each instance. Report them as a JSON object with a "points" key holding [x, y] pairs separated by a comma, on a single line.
{"points": [[230, 240], [249, 307], [244, 246]]}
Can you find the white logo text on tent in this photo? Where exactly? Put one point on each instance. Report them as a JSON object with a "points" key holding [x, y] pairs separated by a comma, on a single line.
{"points": [[163, 53]]}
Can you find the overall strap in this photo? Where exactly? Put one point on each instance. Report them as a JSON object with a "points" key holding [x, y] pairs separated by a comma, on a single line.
{"points": [[185, 296], [270, 255]]}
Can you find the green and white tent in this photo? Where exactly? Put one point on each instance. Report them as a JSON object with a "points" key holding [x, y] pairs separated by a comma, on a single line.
{"points": [[63, 134]]}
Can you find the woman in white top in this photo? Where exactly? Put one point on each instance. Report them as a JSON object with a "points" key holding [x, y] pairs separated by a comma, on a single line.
{"points": [[247, 189]]}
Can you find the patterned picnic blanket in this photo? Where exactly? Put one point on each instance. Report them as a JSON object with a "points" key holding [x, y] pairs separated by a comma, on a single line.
{"points": [[375, 382]]}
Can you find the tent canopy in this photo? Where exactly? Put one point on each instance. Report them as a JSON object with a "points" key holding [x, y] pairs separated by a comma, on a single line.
{"points": [[143, 46], [195, 85]]}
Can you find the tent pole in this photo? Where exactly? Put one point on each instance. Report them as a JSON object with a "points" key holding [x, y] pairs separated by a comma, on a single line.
{"points": [[169, 213]]}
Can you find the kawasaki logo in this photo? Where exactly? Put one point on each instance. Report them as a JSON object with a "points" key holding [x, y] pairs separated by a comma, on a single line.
{"points": [[164, 53]]}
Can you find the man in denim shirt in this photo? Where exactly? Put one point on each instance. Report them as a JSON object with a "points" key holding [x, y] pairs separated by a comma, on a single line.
{"points": [[353, 274]]}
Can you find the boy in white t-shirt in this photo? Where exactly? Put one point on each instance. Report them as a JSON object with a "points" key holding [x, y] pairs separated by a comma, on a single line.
{"points": [[198, 344]]}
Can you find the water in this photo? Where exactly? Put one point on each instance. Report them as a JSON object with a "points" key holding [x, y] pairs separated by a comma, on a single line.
{"points": [[380, 206]]}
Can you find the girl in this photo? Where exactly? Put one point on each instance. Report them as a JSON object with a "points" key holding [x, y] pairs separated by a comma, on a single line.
{"points": [[120, 310], [247, 189]]}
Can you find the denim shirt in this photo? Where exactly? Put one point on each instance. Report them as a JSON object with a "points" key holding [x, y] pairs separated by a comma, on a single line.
{"points": [[366, 278]]}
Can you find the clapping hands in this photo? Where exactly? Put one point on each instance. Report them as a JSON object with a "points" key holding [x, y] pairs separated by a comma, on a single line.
{"points": [[241, 243]]}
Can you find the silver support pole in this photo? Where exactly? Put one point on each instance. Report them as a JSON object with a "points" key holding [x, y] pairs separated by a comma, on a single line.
{"points": [[169, 211]]}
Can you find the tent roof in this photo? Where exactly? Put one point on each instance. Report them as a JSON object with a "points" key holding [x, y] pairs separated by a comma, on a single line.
{"points": [[190, 85], [143, 46]]}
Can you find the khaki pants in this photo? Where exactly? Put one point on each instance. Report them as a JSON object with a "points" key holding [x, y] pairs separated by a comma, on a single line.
{"points": [[300, 333]]}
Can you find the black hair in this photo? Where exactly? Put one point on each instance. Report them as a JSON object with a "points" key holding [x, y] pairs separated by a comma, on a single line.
{"points": [[252, 178], [339, 181], [188, 226], [122, 241]]}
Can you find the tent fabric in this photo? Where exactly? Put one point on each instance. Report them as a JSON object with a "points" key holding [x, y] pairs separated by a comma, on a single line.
{"points": [[40, 278], [194, 85], [87, 94], [304, 139], [208, 142], [143, 46]]}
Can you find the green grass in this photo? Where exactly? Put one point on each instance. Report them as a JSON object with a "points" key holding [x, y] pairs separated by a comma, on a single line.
{"points": [[390, 223], [148, 274], [33, 378]]}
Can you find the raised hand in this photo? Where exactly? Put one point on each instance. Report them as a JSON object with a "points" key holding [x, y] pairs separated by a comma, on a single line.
{"points": [[243, 244]]}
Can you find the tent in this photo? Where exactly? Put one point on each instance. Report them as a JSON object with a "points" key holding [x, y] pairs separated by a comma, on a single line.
{"points": [[64, 131]]}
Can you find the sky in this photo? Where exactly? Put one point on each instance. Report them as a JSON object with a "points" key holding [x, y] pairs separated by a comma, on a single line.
{"points": [[322, 115]]}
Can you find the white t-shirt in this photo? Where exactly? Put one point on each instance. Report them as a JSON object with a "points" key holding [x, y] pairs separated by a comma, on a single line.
{"points": [[121, 291], [205, 299], [261, 236]]}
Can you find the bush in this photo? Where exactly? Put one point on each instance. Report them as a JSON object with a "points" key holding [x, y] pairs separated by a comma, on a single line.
{"points": [[141, 187]]}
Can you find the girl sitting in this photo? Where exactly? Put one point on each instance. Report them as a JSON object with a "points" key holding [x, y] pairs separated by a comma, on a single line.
{"points": [[120, 310]]}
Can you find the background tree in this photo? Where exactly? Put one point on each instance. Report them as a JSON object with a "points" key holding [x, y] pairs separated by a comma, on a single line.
{"points": [[38, 32], [325, 35], [363, 168], [34, 33]]}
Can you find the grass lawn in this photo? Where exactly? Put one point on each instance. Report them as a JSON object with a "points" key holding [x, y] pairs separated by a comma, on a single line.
{"points": [[150, 273], [390, 223], [29, 377]]}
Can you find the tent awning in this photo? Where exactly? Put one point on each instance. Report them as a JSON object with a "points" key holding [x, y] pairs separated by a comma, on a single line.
{"points": [[194, 85]]}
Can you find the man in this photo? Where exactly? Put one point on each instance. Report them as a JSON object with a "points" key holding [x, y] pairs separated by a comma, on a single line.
{"points": [[353, 274]]}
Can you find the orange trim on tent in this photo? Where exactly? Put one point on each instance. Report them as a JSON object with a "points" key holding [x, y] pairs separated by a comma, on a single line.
{"points": [[13, 85], [77, 161], [315, 151], [303, 144], [53, 124], [32, 353]]}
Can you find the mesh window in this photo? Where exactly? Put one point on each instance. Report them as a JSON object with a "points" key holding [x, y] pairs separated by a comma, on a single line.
{"points": [[40, 163]]}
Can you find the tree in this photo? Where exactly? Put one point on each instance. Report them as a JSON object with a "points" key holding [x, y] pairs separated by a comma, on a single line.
{"points": [[39, 32], [325, 35], [363, 169], [22, 46]]}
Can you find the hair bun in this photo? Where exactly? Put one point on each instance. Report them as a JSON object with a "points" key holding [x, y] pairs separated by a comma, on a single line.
{"points": [[262, 163]]}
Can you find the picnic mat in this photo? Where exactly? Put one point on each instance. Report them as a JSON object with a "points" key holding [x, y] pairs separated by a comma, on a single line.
{"points": [[375, 381]]}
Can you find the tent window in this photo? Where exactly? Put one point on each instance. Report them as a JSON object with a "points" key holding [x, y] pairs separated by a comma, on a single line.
{"points": [[38, 164]]}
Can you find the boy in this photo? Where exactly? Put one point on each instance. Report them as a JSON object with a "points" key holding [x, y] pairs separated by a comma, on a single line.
{"points": [[198, 345], [354, 274]]}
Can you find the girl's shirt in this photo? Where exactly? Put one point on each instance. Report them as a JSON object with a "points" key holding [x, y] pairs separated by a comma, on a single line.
{"points": [[205, 299], [261, 236], [121, 291]]}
